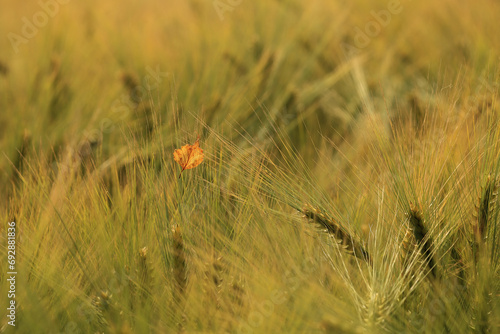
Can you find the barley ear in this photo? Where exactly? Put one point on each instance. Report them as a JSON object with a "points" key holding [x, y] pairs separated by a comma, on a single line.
{"points": [[486, 201], [422, 238], [338, 232]]}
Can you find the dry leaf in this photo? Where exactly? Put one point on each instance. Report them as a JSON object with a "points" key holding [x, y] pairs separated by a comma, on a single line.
{"points": [[189, 156]]}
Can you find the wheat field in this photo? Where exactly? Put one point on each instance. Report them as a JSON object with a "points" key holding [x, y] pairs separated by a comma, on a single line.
{"points": [[349, 180]]}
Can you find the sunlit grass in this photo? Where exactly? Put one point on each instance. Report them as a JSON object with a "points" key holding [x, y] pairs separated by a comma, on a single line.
{"points": [[400, 138]]}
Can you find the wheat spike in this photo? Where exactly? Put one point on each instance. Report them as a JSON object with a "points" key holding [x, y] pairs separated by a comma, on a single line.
{"points": [[104, 314], [132, 84], [422, 238], [214, 281], [180, 276], [486, 202], [335, 229]]}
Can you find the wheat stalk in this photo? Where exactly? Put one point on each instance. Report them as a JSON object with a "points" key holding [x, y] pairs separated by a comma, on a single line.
{"points": [[105, 312], [145, 274], [484, 218], [214, 281], [180, 272]]}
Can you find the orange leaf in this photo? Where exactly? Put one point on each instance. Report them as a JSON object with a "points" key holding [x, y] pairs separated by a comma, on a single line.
{"points": [[189, 156]]}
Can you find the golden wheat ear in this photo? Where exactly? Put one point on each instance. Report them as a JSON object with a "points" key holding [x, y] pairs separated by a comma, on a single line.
{"points": [[422, 238], [331, 226]]}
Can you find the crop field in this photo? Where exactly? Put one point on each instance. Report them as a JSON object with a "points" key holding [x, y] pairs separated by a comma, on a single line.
{"points": [[237, 166]]}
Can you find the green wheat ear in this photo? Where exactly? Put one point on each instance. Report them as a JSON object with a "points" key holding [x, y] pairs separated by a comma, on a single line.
{"points": [[487, 199], [422, 237], [214, 281], [331, 226], [481, 235]]}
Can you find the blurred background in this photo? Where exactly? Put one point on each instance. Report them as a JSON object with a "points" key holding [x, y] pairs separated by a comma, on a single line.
{"points": [[71, 70]]}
